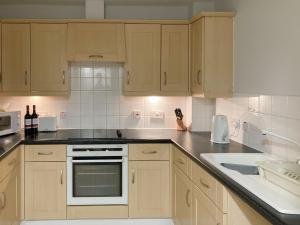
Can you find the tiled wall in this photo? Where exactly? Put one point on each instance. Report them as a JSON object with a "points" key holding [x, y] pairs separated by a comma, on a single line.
{"points": [[96, 101], [280, 114]]}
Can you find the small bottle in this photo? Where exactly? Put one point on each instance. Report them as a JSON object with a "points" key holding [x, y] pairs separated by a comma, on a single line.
{"points": [[34, 121], [27, 122]]}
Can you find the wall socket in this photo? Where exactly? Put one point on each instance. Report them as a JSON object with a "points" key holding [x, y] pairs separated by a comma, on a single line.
{"points": [[155, 114], [137, 114]]}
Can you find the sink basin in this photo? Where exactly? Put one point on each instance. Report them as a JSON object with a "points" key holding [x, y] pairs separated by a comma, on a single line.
{"points": [[243, 169]]}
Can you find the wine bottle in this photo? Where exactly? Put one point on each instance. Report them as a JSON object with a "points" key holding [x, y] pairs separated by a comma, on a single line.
{"points": [[27, 122], [34, 121]]}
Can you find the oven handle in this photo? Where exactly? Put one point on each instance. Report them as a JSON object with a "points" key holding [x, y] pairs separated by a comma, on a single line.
{"points": [[96, 161]]}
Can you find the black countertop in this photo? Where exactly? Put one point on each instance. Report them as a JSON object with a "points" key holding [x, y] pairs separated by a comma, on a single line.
{"points": [[192, 144]]}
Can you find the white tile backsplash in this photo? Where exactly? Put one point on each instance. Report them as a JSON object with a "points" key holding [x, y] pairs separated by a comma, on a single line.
{"points": [[96, 101], [280, 114]]}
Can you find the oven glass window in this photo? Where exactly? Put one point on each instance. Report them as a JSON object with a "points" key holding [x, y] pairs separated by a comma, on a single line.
{"points": [[5, 123], [97, 179]]}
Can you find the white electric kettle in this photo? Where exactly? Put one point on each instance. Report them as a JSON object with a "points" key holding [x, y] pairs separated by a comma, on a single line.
{"points": [[219, 132]]}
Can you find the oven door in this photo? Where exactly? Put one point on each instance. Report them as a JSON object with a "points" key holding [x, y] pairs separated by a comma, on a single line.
{"points": [[97, 181]]}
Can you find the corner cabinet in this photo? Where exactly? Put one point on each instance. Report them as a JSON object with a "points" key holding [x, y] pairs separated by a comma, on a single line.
{"points": [[212, 56], [149, 181], [96, 42], [175, 59], [16, 57], [49, 67], [142, 70], [45, 182]]}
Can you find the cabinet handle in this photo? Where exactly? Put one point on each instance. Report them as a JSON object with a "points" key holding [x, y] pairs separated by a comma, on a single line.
{"points": [[64, 77], [150, 152], [61, 177], [204, 184], [95, 56], [2, 200], [0, 77], [165, 78], [45, 153], [133, 177], [187, 197], [180, 161], [128, 77], [26, 77], [198, 77]]}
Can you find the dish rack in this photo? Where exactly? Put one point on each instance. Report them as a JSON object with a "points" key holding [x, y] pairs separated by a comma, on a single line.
{"points": [[281, 173]]}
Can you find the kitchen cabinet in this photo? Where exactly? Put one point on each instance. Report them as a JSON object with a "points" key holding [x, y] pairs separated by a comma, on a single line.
{"points": [[16, 57], [11, 188], [175, 58], [45, 190], [212, 56], [239, 213], [142, 69], [49, 68], [96, 42], [149, 189], [182, 198], [45, 182], [204, 211]]}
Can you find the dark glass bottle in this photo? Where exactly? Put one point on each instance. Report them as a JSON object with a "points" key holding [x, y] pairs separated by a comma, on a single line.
{"points": [[27, 122], [34, 121]]}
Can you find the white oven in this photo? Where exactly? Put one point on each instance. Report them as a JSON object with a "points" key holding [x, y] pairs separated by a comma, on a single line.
{"points": [[97, 174]]}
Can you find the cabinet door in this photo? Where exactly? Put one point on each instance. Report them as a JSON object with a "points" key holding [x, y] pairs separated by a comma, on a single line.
{"points": [[218, 57], [9, 195], [204, 211], [96, 42], [48, 58], [149, 189], [182, 203], [142, 70], [175, 58], [45, 190], [16, 57], [239, 213], [196, 56]]}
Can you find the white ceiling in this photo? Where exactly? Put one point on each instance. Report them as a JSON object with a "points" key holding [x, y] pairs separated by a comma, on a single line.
{"points": [[109, 2]]}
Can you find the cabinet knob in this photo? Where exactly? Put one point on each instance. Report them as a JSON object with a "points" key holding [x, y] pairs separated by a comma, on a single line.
{"points": [[2, 200], [133, 177], [199, 78], [26, 77], [187, 198], [128, 77], [165, 78], [64, 77]]}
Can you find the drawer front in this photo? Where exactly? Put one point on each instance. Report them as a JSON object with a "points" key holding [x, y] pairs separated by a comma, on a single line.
{"points": [[182, 161], [204, 181], [11, 161], [40, 153], [157, 152]]}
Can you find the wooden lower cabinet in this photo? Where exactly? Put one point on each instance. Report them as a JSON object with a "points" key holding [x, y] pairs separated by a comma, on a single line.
{"points": [[10, 213], [149, 189], [182, 198], [204, 211], [45, 190], [239, 213]]}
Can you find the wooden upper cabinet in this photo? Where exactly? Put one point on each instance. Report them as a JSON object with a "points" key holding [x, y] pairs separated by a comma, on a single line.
{"points": [[49, 67], [96, 42], [149, 189], [175, 58], [16, 57], [212, 57], [142, 70]]}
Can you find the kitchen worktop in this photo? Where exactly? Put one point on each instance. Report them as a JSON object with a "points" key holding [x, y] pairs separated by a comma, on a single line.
{"points": [[192, 144]]}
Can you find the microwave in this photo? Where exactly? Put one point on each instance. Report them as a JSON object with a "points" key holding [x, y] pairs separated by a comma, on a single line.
{"points": [[10, 122]]}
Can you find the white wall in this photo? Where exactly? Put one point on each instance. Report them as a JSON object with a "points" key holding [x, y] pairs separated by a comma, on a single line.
{"points": [[267, 49]]}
